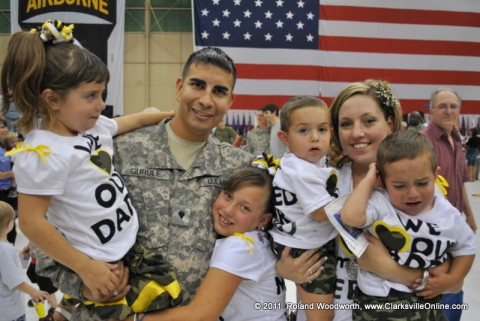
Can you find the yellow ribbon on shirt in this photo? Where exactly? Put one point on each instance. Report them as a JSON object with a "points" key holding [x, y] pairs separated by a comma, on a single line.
{"points": [[41, 150], [153, 290], [147, 295], [248, 239]]}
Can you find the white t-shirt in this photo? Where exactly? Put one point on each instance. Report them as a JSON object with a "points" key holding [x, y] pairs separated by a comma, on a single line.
{"points": [[345, 271], [421, 241], [12, 301], [300, 188], [90, 204], [255, 263]]}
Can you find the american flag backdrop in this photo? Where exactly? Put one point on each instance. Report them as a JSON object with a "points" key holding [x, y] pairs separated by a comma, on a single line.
{"points": [[285, 48]]}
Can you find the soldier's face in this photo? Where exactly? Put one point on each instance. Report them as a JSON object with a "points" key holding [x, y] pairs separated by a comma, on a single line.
{"points": [[204, 96], [261, 120], [240, 211]]}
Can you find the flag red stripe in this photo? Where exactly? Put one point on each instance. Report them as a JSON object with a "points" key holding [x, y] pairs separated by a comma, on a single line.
{"points": [[403, 16], [399, 46], [408, 105], [339, 74]]}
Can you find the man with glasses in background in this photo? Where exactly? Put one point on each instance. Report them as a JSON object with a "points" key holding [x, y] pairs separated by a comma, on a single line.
{"points": [[445, 105]]}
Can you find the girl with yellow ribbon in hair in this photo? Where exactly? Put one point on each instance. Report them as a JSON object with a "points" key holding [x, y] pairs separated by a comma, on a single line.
{"points": [[73, 205], [241, 283]]}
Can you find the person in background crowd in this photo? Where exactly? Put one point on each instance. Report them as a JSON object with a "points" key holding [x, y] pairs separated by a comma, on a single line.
{"points": [[226, 134], [12, 284], [271, 113], [445, 105], [415, 121], [44, 284], [473, 148], [6, 178], [258, 140], [11, 141]]}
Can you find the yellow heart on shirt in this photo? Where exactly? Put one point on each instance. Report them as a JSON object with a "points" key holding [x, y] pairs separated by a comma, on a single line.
{"points": [[102, 160], [395, 238]]}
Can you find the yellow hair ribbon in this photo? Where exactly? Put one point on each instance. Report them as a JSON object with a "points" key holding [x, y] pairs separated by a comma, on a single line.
{"points": [[442, 184], [54, 32], [267, 162], [41, 150], [248, 239]]}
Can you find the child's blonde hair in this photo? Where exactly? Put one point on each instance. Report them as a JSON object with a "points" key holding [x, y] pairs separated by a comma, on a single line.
{"points": [[11, 136], [6, 214]]}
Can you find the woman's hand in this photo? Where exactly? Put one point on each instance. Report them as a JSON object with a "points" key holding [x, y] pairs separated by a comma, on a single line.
{"points": [[305, 268], [374, 256], [439, 282]]}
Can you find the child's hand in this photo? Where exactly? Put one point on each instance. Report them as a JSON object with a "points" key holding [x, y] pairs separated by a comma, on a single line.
{"points": [[99, 277], [26, 249], [372, 176], [38, 296]]}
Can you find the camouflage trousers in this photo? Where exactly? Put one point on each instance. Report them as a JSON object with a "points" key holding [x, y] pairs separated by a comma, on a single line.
{"points": [[325, 283], [397, 306], [153, 287]]}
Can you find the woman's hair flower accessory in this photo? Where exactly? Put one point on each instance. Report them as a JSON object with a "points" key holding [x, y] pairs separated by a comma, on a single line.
{"points": [[385, 95], [267, 162], [54, 32]]}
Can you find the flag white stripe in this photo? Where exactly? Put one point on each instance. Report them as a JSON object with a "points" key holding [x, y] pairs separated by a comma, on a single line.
{"points": [[298, 57], [397, 31], [330, 89], [445, 5]]}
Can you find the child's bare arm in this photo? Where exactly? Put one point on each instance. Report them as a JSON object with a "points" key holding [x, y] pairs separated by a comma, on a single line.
{"points": [[35, 294], [353, 212], [319, 214], [133, 121], [98, 276]]}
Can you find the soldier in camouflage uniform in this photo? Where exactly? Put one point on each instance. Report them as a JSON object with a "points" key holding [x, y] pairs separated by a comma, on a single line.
{"points": [[174, 171], [258, 140]]}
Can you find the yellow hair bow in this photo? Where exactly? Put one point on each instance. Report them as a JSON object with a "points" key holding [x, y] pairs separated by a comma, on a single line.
{"points": [[442, 184], [41, 150], [54, 32], [248, 239], [267, 162]]}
